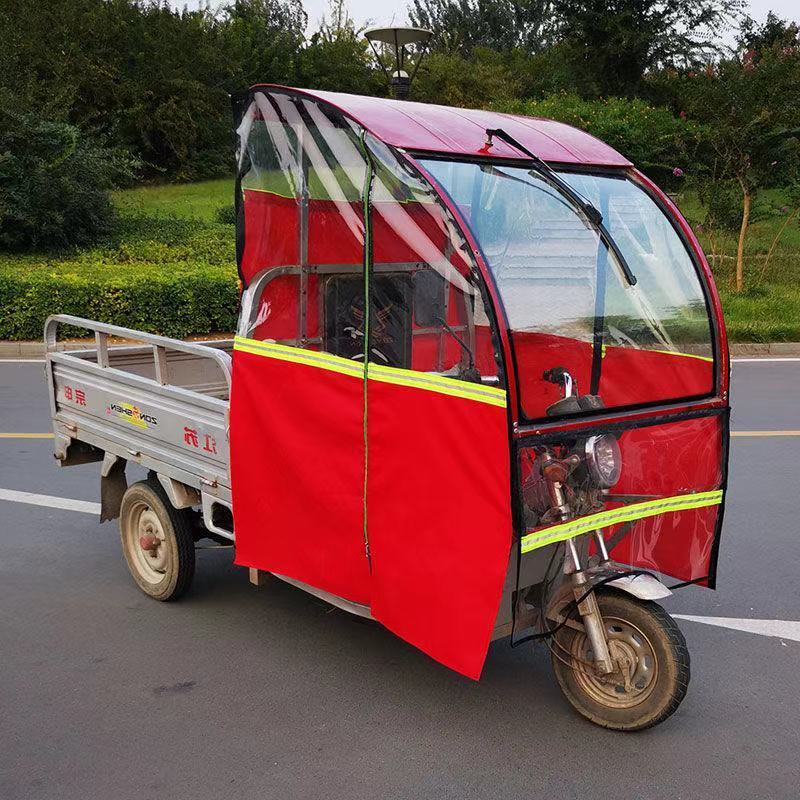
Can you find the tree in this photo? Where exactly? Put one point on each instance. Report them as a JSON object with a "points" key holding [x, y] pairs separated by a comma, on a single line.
{"points": [[145, 75], [773, 32], [262, 39], [752, 116], [459, 26], [617, 42], [337, 56], [54, 183], [484, 80]]}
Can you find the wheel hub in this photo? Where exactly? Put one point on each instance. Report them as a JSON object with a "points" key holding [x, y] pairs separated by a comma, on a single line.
{"points": [[147, 544], [636, 668]]}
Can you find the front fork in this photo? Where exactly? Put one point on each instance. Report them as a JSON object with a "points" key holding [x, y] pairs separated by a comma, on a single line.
{"points": [[588, 607]]}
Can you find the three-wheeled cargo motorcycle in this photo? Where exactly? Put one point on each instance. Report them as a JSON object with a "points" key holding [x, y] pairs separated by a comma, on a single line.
{"points": [[479, 390]]}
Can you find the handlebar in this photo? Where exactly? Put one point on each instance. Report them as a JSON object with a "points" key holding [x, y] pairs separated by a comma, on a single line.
{"points": [[560, 376]]}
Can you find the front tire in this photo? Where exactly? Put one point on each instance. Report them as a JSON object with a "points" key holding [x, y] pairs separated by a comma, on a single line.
{"points": [[157, 541], [652, 659]]}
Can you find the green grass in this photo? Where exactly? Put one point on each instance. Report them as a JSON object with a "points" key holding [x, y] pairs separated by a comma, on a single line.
{"points": [[195, 201], [163, 230], [170, 228]]}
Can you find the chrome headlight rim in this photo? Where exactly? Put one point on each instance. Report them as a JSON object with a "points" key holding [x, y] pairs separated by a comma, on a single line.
{"points": [[600, 472]]}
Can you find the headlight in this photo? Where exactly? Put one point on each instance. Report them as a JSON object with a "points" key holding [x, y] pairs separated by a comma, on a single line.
{"points": [[603, 459]]}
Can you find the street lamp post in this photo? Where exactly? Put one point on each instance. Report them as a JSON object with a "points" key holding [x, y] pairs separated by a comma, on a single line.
{"points": [[399, 40]]}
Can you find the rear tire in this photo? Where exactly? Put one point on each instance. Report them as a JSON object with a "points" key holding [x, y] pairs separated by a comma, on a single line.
{"points": [[157, 541], [655, 682]]}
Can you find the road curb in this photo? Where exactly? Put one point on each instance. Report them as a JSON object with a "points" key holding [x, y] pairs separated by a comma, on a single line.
{"points": [[37, 349], [738, 349]]}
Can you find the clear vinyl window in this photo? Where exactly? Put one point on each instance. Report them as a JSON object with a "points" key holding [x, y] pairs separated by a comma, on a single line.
{"points": [[427, 311], [303, 173]]}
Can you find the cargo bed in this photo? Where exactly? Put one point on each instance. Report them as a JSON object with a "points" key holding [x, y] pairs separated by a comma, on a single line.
{"points": [[150, 400]]}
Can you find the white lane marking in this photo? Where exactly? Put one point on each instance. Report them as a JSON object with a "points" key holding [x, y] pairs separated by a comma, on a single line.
{"points": [[762, 360], [744, 433], [780, 629], [48, 501]]}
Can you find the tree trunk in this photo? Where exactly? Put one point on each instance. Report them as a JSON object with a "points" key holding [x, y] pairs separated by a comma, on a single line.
{"points": [[775, 241], [747, 199]]}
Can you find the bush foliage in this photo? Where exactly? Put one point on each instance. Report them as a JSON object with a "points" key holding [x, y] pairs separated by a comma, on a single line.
{"points": [[172, 305], [54, 184], [654, 139], [226, 214]]}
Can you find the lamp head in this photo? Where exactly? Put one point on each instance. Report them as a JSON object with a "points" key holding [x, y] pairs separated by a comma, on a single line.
{"points": [[406, 47]]}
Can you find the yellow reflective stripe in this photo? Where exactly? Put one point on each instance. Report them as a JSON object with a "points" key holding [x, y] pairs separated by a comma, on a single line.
{"points": [[629, 513], [604, 349], [401, 377], [683, 355], [437, 383], [296, 355], [392, 201]]}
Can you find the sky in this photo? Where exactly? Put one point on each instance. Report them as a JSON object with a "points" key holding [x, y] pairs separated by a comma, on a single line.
{"points": [[381, 12], [386, 12]]}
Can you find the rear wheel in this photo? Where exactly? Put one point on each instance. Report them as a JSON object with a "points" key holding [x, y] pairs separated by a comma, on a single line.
{"points": [[157, 541], [651, 659]]}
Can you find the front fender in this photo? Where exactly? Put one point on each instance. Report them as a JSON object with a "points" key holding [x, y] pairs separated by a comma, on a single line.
{"points": [[643, 587]]}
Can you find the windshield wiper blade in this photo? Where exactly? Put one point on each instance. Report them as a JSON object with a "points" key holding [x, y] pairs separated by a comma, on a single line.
{"points": [[591, 212]]}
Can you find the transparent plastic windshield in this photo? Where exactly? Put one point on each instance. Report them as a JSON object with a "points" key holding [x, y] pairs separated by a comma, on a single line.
{"points": [[566, 297]]}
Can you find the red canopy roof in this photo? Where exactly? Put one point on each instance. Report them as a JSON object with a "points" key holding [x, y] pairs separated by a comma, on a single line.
{"points": [[462, 131]]}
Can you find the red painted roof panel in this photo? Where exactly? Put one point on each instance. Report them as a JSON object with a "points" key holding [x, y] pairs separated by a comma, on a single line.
{"points": [[462, 131]]}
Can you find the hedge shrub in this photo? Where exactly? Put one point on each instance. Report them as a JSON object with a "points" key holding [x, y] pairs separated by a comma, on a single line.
{"points": [[172, 305], [170, 276]]}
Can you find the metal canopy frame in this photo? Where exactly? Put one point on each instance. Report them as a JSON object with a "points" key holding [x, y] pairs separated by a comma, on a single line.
{"points": [[250, 304]]}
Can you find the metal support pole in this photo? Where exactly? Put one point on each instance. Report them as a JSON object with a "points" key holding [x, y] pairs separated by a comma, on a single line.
{"points": [[303, 243]]}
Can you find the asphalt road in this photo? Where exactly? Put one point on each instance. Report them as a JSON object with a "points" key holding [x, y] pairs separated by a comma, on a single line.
{"points": [[268, 693]]}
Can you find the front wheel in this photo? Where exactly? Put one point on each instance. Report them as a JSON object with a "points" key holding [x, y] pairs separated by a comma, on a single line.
{"points": [[651, 660]]}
